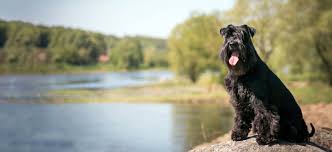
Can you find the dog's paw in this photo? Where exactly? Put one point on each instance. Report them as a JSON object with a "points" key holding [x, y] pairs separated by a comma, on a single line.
{"points": [[261, 141], [238, 136], [265, 141]]}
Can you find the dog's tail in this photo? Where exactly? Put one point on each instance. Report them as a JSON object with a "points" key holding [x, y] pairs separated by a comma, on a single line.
{"points": [[312, 130]]}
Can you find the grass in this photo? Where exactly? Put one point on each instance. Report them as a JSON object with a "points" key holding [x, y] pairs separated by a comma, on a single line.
{"points": [[184, 92], [162, 92], [311, 93]]}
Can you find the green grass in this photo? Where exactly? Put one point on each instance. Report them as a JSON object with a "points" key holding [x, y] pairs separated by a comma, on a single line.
{"points": [[311, 93], [169, 92], [184, 92]]}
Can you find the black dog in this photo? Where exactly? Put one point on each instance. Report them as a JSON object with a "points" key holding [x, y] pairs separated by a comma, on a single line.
{"points": [[258, 96]]}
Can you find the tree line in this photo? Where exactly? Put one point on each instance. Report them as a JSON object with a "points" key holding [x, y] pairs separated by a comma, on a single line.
{"points": [[293, 38], [27, 45]]}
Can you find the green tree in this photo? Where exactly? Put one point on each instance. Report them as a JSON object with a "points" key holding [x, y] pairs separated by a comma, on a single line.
{"points": [[43, 38], [194, 46], [309, 22], [155, 58], [292, 36], [26, 45], [127, 54], [3, 35], [262, 15], [323, 43]]}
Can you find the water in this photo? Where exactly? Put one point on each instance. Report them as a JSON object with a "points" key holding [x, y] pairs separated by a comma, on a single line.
{"points": [[109, 127], [117, 127], [35, 87]]}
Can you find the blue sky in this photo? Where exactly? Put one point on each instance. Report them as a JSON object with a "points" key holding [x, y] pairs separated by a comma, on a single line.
{"points": [[118, 17]]}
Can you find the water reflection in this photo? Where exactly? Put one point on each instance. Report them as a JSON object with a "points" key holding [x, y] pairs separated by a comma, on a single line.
{"points": [[109, 127], [199, 123]]}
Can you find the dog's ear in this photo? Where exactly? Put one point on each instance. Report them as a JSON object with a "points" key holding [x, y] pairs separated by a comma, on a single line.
{"points": [[250, 30], [223, 31]]}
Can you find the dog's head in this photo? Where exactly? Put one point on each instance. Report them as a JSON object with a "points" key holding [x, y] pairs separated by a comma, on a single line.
{"points": [[238, 52]]}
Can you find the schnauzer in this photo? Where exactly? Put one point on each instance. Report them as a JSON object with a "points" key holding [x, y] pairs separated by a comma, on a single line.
{"points": [[261, 101]]}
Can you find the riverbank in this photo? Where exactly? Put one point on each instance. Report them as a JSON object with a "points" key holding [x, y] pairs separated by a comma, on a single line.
{"points": [[7, 69], [162, 92], [174, 91]]}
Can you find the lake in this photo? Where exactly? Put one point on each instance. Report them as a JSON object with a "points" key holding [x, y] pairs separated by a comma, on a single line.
{"points": [[119, 127]]}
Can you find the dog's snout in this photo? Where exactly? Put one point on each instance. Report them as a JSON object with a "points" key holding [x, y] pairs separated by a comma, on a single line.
{"points": [[232, 45]]}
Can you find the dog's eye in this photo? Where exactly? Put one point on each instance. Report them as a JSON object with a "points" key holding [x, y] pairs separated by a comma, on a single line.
{"points": [[229, 34], [227, 37]]}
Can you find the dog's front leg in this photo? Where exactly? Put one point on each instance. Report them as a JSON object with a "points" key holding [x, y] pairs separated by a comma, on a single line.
{"points": [[266, 123], [244, 115]]}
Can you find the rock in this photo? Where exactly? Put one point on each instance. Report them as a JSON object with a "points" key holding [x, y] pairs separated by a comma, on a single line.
{"points": [[250, 145], [323, 137], [321, 142]]}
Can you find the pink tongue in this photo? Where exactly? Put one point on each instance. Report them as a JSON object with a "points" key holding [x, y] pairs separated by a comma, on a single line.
{"points": [[234, 58]]}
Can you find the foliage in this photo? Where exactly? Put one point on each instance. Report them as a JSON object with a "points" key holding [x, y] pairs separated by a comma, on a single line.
{"points": [[194, 46], [293, 37], [155, 58], [127, 54], [310, 26], [29, 46], [310, 93], [263, 15], [208, 79]]}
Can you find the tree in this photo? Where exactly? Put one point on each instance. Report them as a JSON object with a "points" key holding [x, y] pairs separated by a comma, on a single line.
{"points": [[262, 15], [127, 54], [194, 45], [292, 36], [43, 39], [155, 58], [3, 35], [26, 45], [323, 43], [306, 36]]}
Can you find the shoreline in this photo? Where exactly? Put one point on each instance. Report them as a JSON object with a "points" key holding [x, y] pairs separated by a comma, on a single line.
{"points": [[162, 92], [66, 69], [180, 91]]}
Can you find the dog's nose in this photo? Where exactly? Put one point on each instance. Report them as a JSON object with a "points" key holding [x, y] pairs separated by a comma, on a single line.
{"points": [[232, 44]]}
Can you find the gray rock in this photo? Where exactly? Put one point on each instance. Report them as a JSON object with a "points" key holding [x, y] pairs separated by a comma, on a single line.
{"points": [[321, 142]]}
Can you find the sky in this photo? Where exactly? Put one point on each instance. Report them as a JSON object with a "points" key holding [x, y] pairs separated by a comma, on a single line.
{"points": [[154, 18]]}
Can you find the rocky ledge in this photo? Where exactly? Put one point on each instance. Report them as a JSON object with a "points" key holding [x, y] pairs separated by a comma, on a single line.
{"points": [[321, 142]]}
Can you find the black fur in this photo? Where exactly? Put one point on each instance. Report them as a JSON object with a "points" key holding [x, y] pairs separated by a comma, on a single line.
{"points": [[261, 101]]}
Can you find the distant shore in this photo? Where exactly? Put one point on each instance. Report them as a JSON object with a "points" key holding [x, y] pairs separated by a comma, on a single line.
{"points": [[63, 69], [163, 92], [183, 92]]}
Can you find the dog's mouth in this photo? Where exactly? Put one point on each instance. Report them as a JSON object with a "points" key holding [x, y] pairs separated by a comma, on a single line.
{"points": [[234, 59]]}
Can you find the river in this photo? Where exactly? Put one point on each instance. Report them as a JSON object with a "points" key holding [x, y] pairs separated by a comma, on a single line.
{"points": [[118, 127]]}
